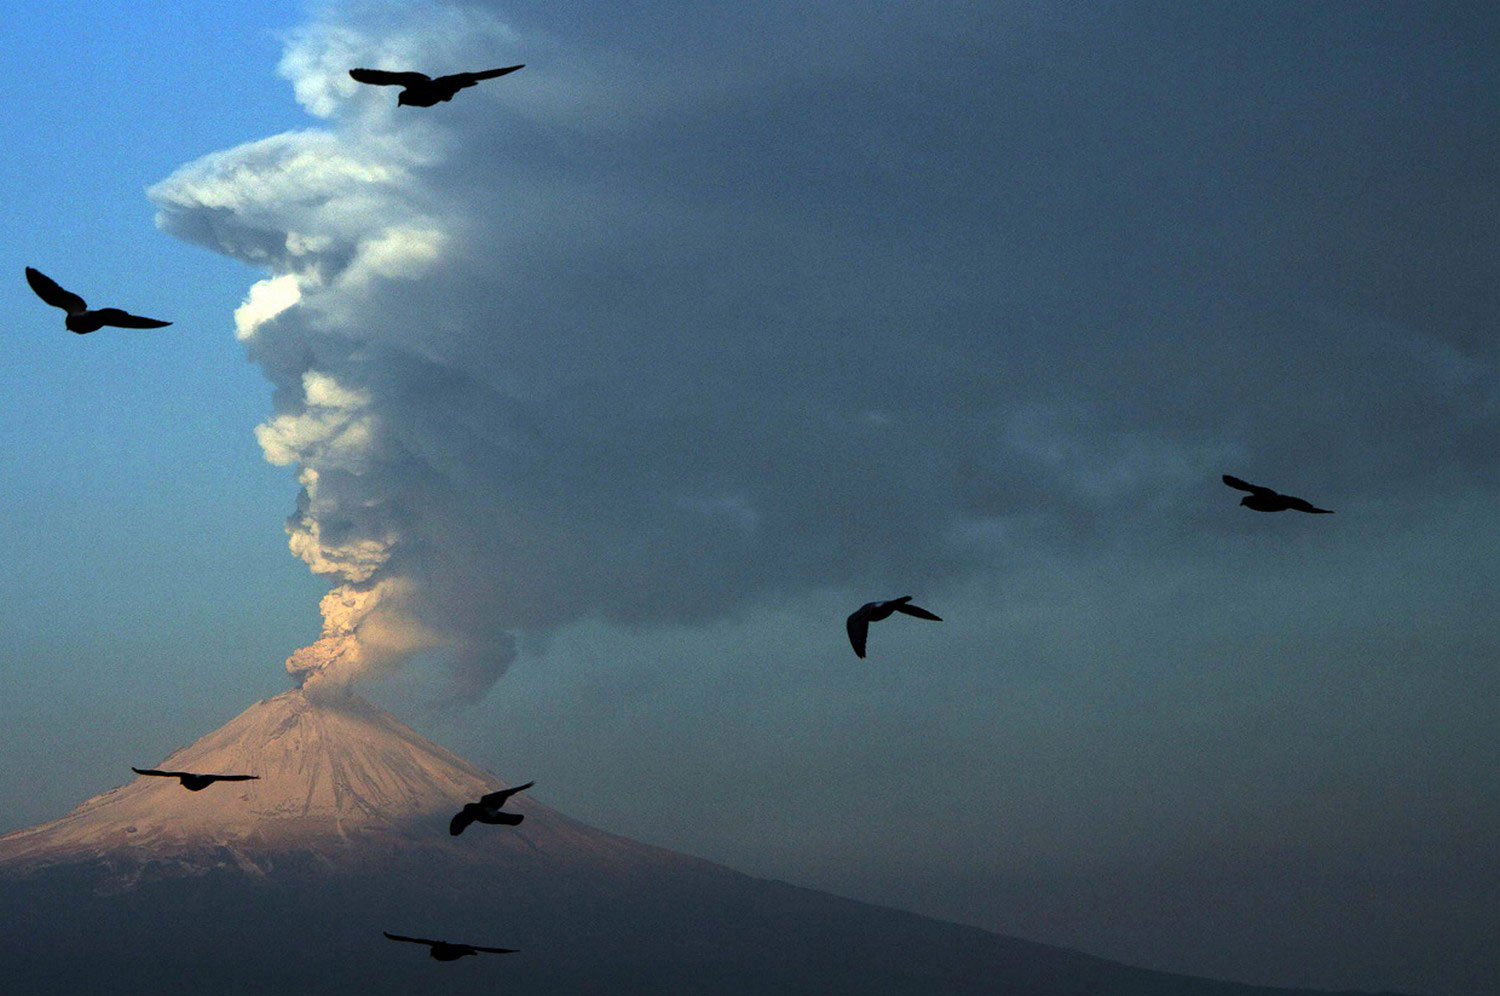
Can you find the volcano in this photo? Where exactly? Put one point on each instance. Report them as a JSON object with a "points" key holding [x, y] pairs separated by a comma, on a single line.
{"points": [[285, 884]]}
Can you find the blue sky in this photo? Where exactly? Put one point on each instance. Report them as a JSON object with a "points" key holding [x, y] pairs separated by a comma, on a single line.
{"points": [[615, 384], [119, 522]]}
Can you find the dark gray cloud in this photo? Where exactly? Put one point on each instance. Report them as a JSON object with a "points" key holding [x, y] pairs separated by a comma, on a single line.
{"points": [[705, 325]]}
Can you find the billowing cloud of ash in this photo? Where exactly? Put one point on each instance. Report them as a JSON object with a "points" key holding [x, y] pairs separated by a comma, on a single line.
{"points": [[523, 382], [732, 316], [651, 332]]}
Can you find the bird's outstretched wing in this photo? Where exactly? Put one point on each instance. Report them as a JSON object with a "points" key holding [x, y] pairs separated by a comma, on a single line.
{"points": [[48, 290], [381, 77], [1255, 489], [469, 79], [493, 950], [918, 611], [460, 822], [859, 628], [233, 778], [409, 940], [125, 320], [161, 774], [495, 799]]}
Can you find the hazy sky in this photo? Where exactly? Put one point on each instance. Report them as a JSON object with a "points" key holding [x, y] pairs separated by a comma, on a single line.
{"points": [[611, 387]]}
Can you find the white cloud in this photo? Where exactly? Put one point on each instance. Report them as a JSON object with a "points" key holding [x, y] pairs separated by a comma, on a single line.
{"points": [[266, 300], [323, 391], [397, 252]]}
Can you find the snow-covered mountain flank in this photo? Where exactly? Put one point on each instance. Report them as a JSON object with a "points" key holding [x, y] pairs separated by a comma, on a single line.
{"points": [[327, 772]]}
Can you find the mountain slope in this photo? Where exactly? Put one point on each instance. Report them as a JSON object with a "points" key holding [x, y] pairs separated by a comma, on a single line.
{"points": [[338, 779], [285, 884]]}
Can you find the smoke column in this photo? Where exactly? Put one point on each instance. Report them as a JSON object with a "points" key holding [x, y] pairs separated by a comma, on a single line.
{"points": [[558, 350], [332, 216]]}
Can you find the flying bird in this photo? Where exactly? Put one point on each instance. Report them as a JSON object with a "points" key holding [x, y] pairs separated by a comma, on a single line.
{"points": [[860, 619], [80, 318], [447, 951], [422, 90], [194, 782], [487, 810], [1265, 500]]}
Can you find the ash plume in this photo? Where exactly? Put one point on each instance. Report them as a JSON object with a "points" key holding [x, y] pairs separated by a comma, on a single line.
{"points": [[665, 352], [525, 381]]}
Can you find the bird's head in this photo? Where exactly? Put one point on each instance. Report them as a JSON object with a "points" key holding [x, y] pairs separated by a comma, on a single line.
{"points": [[1245, 500], [401, 99]]}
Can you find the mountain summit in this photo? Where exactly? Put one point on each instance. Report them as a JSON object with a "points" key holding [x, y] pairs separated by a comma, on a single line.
{"points": [[331, 774], [341, 784], [287, 883]]}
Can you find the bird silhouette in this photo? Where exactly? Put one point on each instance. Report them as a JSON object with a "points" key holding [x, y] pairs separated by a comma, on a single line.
{"points": [[80, 318], [487, 810], [860, 619], [194, 782], [446, 950], [422, 90], [1265, 500]]}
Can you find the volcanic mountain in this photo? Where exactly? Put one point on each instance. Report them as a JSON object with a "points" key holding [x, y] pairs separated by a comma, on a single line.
{"points": [[284, 885]]}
